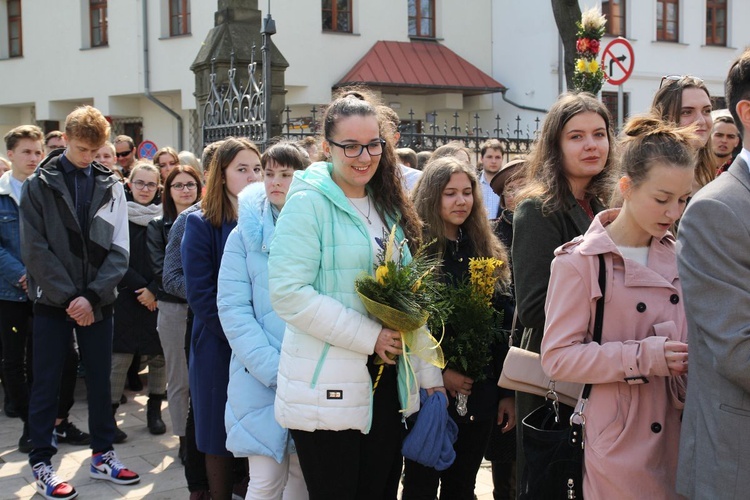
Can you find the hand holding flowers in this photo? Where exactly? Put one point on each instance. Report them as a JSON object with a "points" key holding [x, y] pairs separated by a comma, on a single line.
{"points": [[388, 345]]}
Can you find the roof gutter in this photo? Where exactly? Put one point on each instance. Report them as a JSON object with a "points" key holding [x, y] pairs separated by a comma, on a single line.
{"points": [[521, 106], [147, 78]]}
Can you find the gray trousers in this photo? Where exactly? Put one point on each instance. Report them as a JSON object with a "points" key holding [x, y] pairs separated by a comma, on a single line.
{"points": [[171, 325], [157, 381]]}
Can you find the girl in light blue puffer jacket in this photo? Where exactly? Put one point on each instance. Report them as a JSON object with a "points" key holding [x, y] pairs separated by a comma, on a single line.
{"points": [[255, 333]]}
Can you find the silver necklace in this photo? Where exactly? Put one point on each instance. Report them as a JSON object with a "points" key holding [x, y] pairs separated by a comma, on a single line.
{"points": [[369, 209]]}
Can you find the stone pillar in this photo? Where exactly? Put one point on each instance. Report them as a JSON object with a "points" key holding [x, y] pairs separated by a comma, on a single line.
{"points": [[237, 26]]}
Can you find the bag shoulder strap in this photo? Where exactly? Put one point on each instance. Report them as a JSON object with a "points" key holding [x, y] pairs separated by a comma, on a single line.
{"points": [[599, 319], [511, 337]]}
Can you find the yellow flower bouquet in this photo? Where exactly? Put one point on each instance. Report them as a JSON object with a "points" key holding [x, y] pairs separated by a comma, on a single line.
{"points": [[403, 296], [474, 321]]}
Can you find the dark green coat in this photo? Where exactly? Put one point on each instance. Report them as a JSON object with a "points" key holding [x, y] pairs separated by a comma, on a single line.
{"points": [[535, 238]]}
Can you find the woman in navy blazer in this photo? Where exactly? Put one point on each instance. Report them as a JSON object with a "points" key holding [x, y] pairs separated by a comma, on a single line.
{"points": [[235, 165]]}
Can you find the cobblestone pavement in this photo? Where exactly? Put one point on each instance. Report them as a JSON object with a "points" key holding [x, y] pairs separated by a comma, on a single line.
{"points": [[153, 457]]}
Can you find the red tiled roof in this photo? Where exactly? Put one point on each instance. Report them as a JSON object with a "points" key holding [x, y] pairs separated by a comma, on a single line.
{"points": [[419, 67]]}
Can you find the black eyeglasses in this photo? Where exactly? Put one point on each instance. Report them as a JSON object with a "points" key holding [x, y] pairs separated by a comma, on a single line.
{"points": [[140, 185], [123, 153], [180, 186], [355, 150], [677, 78]]}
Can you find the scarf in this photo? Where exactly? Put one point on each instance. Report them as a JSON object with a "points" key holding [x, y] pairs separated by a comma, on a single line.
{"points": [[142, 214]]}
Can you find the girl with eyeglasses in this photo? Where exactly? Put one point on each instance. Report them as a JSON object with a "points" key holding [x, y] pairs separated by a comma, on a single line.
{"points": [[235, 165], [347, 435], [684, 101], [136, 305], [182, 190]]}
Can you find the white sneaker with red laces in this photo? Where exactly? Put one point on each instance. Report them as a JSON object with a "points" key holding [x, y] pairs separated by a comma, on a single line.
{"points": [[49, 485], [107, 466]]}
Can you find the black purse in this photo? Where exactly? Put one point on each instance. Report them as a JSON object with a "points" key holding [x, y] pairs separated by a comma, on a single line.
{"points": [[553, 437]]}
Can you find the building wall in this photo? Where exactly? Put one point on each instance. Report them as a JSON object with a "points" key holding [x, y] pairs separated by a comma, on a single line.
{"points": [[525, 59], [59, 72], [112, 79], [690, 56], [515, 42]]}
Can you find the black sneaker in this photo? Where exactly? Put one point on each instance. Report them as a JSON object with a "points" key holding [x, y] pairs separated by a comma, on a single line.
{"points": [[67, 432], [24, 442]]}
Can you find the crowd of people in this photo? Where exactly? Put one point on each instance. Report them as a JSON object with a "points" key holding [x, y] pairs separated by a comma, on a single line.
{"points": [[232, 279]]}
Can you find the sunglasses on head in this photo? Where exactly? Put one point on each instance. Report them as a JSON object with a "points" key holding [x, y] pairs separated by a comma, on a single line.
{"points": [[123, 153], [677, 78]]}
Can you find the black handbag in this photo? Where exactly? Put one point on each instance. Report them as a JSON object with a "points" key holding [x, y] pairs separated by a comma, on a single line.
{"points": [[553, 437]]}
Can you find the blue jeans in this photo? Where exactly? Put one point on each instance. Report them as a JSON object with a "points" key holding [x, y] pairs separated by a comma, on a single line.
{"points": [[52, 336]]}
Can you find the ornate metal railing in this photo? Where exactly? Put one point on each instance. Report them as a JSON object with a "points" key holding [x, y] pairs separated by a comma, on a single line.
{"points": [[234, 108]]}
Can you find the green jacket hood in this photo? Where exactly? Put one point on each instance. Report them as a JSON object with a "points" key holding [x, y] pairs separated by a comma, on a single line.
{"points": [[317, 177]]}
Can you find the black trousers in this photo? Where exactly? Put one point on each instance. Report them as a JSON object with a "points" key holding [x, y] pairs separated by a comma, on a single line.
{"points": [[195, 465], [349, 465], [15, 335], [15, 332], [458, 481]]}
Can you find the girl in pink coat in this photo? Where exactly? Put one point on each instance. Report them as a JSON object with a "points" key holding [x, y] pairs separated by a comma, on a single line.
{"points": [[639, 370]]}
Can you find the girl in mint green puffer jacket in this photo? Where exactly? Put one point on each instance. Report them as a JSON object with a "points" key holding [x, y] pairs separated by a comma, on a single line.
{"points": [[328, 234]]}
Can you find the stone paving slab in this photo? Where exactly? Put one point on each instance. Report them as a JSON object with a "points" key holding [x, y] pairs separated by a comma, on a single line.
{"points": [[153, 457]]}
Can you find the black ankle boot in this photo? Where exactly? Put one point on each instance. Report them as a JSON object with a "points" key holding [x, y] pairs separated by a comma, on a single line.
{"points": [[182, 453], [153, 414], [120, 436]]}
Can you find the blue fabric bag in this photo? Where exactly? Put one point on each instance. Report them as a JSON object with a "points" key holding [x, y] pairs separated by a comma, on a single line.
{"points": [[430, 442]]}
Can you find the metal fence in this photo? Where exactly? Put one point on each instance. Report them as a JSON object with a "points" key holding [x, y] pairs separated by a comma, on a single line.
{"points": [[434, 131]]}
